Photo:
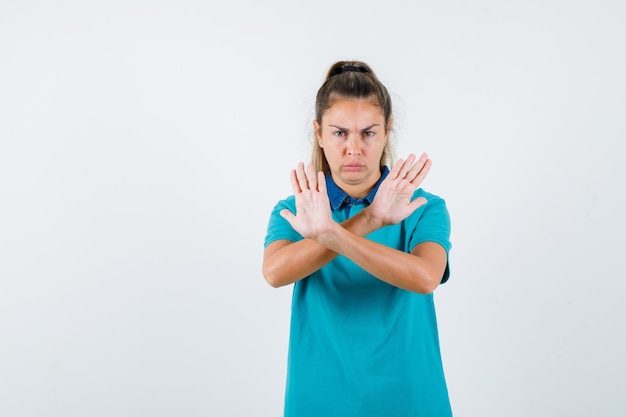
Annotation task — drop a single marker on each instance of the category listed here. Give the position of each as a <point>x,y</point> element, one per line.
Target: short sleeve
<point>279,228</point>
<point>431,223</point>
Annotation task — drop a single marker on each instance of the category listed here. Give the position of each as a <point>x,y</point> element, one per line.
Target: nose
<point>354,147</point>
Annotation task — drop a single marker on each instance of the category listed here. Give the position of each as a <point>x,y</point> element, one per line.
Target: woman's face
<point>353,136</point>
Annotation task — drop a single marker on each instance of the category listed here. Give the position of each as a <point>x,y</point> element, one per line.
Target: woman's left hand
<point>392,202</point>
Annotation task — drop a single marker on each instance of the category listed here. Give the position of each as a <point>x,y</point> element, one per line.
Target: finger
<point>417,167</point>
<point>287,215</point>
<point>393,174</point>
<point>406,166</point>
<point>417,203</point>
<point>422,174</point>
<point>301,175</point>
<point>423,158</point>
<point>311,177</point>
<point>321,182</point>
<point>295,186</point>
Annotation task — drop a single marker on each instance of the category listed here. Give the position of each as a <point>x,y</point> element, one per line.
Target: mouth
<point>353,167</point>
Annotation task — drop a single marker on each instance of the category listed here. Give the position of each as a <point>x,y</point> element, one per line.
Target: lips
<point>353,167</point>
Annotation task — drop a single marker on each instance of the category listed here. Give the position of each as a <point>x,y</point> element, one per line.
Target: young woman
<point>365,248</point>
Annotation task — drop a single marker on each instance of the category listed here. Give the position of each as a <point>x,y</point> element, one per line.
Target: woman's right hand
<point>313,217</point>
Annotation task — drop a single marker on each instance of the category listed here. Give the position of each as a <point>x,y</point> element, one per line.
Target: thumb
<point>287,215</point>
<point>417,203</point>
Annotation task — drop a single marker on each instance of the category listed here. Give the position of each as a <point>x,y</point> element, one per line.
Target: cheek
<point>374,144</point>
<point>332,144</point>
<point>332,151</point>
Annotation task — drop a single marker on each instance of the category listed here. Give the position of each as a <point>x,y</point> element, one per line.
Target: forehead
<point>348,110</point>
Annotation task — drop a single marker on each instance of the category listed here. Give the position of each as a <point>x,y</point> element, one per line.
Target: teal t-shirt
<point>359,346</point>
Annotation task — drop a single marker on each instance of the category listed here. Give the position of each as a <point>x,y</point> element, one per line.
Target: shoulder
<point>420,192</point>
<point>433,202</point>
<point>286,203</point>
<point>430,222</point>
<point>431,216</point>
<point>278,228</point>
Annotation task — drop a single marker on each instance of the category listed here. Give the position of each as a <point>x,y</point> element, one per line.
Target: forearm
<point>398,268</point>
<point>291,262</point>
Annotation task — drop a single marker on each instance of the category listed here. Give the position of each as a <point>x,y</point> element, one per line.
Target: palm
<point>313,216</point>
<point>392,203</point>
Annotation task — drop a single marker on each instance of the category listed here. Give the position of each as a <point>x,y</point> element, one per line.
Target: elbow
<point>427,278</point>
<point>427,288</point>
<point>271,277</point>
<point>427,285</point>
<point>273,283</point>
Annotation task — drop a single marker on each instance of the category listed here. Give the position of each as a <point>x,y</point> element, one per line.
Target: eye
<point>368,133</point>
<point>339,133</point>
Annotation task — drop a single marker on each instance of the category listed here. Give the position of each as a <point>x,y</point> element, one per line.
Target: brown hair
<point>351,80</point>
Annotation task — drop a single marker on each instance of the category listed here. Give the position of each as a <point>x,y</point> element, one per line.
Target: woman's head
<point>353,80</point>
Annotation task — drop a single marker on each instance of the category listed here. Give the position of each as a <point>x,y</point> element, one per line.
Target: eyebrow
<point>365,128</point>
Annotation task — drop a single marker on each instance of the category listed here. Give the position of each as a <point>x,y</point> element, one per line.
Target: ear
<point>318,135</point>
<point>389,124</point>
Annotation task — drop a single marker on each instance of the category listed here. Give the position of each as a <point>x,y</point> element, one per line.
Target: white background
<point>144,143</point>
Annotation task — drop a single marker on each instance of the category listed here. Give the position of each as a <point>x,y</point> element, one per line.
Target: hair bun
<point>347,68</point>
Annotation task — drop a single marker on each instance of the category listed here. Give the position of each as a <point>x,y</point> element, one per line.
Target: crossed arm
<point>285,262</point>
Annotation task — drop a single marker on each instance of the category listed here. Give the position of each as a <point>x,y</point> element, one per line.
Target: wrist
<point>374,222</point>
<point>328,236</point>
